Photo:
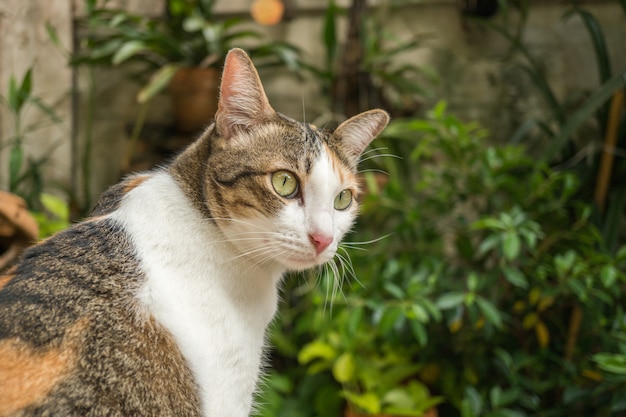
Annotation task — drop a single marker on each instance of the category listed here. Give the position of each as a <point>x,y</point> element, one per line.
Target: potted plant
<point>183,50</point>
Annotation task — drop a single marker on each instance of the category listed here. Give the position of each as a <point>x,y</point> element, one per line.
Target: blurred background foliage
<point>483,278</point>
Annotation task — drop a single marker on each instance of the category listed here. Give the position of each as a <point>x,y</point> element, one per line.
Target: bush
<point>495,293</point>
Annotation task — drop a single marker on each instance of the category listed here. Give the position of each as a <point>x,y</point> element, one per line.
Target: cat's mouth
<point>301,262</point>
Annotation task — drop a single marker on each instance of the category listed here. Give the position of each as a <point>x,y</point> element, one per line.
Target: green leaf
<point>14,96</point>
<point>399,399</point>
<point>344,367</point>
<point>420,313</point>
<point>394,290</point>
<point>608,275</point>
<point>488,244</point>
<point>158,82</point>
<point>16,157</point>
<point>474,401</point>
<point>47,110</point>
<point>56,206</point>
<point>127,51</point>
<point>390,319</point>
<point>53,35</point>
<point>599,97</point>
<point>355,317</point>
<point>316,350</point>
<point>330,35</point>
<point>610,362</point>
<point>472,281</point>
<point>450,300</point>
<point>598,40</point>
<point>511,245</point>
<point>490,311</point>
<point>420,333</point>
<point>515,276</point>
<point>495,394</point>
<point>488,223</point>
<point>26,87</point>
<point>368,402</point>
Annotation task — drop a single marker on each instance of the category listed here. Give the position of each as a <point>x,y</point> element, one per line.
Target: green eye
<point>343,200</point>
<point>285,183</point>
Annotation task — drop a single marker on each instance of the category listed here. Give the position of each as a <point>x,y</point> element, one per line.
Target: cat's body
<point>158,303</point>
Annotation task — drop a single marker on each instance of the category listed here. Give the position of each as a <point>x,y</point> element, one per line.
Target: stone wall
<point>467,59</point>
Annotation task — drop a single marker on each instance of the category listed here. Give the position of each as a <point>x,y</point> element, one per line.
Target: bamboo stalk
<point>599,198</point>
<point>608,154</point>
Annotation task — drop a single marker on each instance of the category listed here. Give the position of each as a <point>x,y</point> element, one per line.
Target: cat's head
<point>281,191</point>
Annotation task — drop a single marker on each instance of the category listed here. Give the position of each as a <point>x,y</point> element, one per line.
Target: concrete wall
<point>24,43</point>
<point>468,60</point>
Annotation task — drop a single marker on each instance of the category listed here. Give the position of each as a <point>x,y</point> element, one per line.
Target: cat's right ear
<point>242,103</point>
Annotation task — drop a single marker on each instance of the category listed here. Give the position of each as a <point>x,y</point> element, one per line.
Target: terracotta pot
<point>18,229</point>
<point>194,93</point>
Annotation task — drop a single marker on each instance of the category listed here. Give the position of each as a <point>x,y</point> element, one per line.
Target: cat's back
<point>73,338</point>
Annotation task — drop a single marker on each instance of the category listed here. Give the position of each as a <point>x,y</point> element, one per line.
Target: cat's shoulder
<point>110,200</point>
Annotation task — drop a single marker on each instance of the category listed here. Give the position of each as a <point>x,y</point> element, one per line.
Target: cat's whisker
<point>366,242</point>
<point>380,171</point>
<point>382,155</point>
<point>347,264</point>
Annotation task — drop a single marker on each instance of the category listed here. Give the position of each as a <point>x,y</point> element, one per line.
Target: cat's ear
<point>242,103</point>
<point>357,132</point>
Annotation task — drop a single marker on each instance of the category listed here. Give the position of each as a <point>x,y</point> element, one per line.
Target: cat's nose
<point>320,241</point>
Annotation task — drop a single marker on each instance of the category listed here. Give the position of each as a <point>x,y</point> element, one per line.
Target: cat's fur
<point>157,305</point>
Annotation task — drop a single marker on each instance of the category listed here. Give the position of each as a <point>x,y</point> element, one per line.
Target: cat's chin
<point>304,263</point>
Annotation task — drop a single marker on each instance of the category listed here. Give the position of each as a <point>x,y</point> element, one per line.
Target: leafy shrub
<point>494,294</point>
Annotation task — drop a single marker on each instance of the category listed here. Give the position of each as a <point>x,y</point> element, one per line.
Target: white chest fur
<point>216,305</point>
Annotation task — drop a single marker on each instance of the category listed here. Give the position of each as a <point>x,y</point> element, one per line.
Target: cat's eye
<point>343,200</point>
<point>285,183</point>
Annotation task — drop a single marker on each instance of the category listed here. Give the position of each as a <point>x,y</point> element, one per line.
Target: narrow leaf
<point>450,300</point>
<point>515,277</point>
<point>127,51</point>
<point>590,106</point>
<point>157,83</point>
<point>511,245</point>
<point>490,311</point>
<point>15,167</point>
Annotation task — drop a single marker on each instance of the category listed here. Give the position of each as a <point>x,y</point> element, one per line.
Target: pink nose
<point>320,241</point>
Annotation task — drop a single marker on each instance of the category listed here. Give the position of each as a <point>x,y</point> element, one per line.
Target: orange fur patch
<point>28,375</point>
<point>345,176</point>
<point>4,279</point>
<point>134,183</point>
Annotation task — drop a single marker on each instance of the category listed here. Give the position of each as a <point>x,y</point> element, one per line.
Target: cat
<point>157,304</point>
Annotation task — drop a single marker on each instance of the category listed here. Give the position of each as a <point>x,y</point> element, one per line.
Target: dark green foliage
<point>469,301</point>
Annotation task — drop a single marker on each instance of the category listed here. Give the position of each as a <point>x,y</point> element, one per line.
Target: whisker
<point>383,155</point>
<point>366,242</point>
<point>380,171</point>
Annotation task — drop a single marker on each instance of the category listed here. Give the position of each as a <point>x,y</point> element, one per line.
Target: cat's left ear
<point>357,132</point>
<point>242,104</point>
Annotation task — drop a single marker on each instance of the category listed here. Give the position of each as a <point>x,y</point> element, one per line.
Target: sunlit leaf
<point>368,402</point>
<point>127,51</point>
<point>158,82</point>
<point>344,367</point>
<point>542,333</point>
<point>316,350</point>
